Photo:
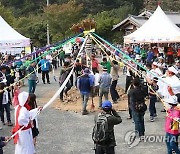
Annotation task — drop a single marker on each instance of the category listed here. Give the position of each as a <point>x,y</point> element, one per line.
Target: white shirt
<point>96,81</point>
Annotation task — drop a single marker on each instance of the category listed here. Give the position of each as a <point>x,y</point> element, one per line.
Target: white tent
<point>10,37</point>
<point>158,29</point>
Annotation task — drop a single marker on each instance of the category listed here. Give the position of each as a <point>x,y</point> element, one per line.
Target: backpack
<point>101,133</point>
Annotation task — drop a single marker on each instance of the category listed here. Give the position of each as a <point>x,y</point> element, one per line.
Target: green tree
<point>62,17</point>
<point>106,19</point>
<point>166,5</point>
<point>7,14</point>
<point>34,28</point>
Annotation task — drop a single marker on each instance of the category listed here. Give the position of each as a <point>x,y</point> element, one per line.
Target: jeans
<point>130,110</point>
<point>104,150</point>
<point>172,143</point>
<point>32,86</point>
<point>65,90</point>
<point>61,61</point>
<point>113,91</point>
<point>85,98</point>
<point>6,107</point>
<point>45,73</point>
<point>152,107</point>
<point>103,92</point>
<point>138,118</point>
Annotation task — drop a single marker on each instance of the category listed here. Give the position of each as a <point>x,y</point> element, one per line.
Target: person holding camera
<point>103,132</point>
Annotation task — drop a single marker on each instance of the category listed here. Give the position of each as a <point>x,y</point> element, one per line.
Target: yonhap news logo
<point>132,139</point>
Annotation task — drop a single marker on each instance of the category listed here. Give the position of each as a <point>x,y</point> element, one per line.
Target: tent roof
<point>10,37</point>
<point>158,29</point>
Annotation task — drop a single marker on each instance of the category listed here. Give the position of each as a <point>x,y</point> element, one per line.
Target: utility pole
<point>48,41</point>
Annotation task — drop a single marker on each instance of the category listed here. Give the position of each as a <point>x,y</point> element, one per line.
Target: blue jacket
<point>150,56</point>
<point>45,64</point>
<point>85,84</point>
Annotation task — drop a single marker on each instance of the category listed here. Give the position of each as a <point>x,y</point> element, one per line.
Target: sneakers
<point>155,115</point>
<point>163,110</point>
<point>151,119</point>
<point>9,124</point>
<point>128,118</point>
<point>85,112</point>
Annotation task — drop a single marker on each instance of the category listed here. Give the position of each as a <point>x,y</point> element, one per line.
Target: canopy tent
<point>10,37</point>
<point>158,29</point>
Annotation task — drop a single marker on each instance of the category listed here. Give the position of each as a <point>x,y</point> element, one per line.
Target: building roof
<point>139,20</point>
<point>157,29</point>
<point>135,20</point>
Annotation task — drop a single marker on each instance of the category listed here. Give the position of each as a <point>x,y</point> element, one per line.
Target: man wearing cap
<point>155,72</point>
<point>172,124</point>
<point>104,85</point>
<point>85,85</point>
<point>113,118</point>
<point>23,116</point>
<point>172,81</point>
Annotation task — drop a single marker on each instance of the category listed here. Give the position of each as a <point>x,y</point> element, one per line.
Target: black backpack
<point>101,133</point>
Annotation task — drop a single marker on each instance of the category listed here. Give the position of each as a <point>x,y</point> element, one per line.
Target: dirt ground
<point>73,102</point>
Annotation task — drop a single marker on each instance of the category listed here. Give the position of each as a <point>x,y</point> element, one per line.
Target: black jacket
<point>136,95</point>
<point>1,99</point>
<point>113,118</point>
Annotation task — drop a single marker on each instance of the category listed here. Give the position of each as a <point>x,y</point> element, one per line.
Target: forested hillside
<point>30,17</point>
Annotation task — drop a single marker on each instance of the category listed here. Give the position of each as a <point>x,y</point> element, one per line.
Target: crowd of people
<point>154,75</point>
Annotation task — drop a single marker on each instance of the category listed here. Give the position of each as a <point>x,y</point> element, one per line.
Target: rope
<point>56,95</point>
<point>31,72</point>
<point>136,71</point>
<point>42,49</point>
<point>126,56</point>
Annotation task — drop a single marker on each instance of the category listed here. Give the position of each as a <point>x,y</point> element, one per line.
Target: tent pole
<point>48,40</point>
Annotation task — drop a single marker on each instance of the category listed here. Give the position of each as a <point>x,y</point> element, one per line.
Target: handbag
<point>140,107</point>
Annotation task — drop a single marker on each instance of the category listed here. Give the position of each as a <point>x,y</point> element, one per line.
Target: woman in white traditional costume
<point>23,117</point>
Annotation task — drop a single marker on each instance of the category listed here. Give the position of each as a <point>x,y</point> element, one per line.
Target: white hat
<point>171,100</point>
<point>17,58</point>
<point>22,97</point>
<point>3,81</point>
<point>172,69</point>
<point>160,57</point>
<point>155,63</point>
<point>138,57</point>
